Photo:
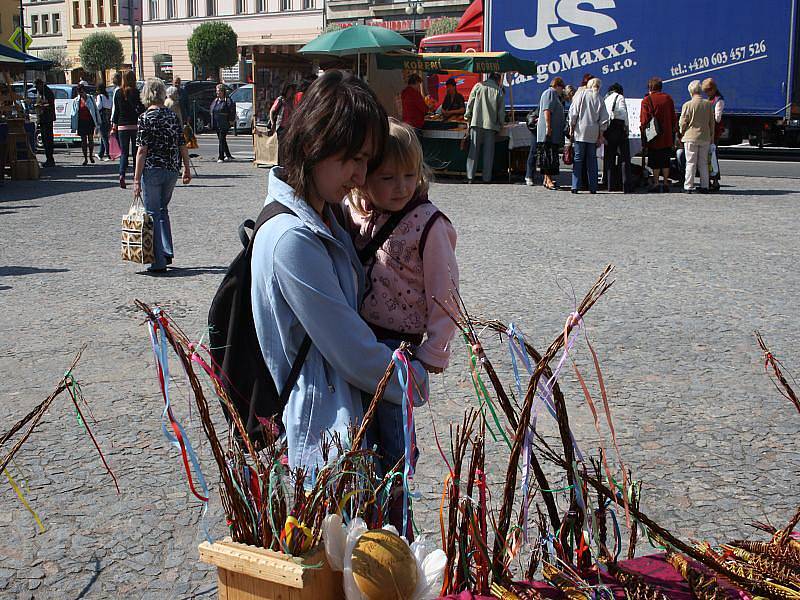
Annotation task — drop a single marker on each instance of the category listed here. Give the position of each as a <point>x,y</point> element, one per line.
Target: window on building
<point>191,8</point>
<point>286,4</point>
<point>45,24</point>
<point>34,25</point>
<point>308,4</point>
<point>56,20</point>
<point>101,12</point>
<point>114,12</point>
<point>76,13</point>
<point>153,9</point>
<point>261,6</point>
<point>170,9</point>
<point>211,8</point>
<point>241,7</point>
<point>14,22</point>
<point>87,13</point>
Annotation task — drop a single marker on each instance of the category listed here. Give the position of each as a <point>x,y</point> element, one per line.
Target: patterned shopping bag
<point>137,234</point>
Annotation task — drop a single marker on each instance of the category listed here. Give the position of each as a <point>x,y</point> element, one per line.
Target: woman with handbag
<point>618,149</point>
<point>83,120</point>
<point>550,132</point>
<point>659,124</point>
<point>159,138</point>
<point>588,119</point>
<point>223,112</point>
<point>103,102</point>
<point>125,115</point>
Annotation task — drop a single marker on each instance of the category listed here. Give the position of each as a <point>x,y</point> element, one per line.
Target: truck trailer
<point>750,49</point>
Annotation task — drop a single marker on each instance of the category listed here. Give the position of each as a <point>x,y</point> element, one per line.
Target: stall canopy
<point>473,62</point>
<point>358,39</point>
<point>16,61</point>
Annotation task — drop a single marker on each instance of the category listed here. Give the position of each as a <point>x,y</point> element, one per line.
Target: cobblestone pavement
<point>698,420</point>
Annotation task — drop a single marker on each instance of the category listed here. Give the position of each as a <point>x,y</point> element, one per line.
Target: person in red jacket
<point>414,107</point>
<point>659,105</point>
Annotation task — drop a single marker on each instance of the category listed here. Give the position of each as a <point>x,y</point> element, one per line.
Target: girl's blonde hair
<point>404,152</point>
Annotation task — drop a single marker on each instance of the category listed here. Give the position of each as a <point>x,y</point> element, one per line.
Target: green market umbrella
<point>474,62</point>
<point>358,40</point>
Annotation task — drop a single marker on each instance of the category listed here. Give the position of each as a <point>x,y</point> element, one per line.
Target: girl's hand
<point>432,369</point>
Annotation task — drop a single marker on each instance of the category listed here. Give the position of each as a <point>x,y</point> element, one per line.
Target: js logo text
<point>553,20</point>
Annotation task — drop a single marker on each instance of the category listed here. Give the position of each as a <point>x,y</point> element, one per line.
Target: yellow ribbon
<point>23,500</point>
<point>292,524</point>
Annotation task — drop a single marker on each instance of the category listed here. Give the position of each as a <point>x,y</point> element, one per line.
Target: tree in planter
<point>101,51</point>
<point>212,46</point>
<point>440,26</point>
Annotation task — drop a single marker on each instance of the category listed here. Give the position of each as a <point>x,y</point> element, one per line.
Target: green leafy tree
<point>333,27</point>
<point>212,46</point>
<point>443,25</point>
<point>57,56</point>
<point>101,51</point>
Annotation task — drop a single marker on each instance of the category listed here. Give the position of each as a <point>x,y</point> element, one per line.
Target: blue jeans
<point>157,186</point>
<point>127,141</point>
<point>104,129</point>
<point>585,152</point>
<point>530,169</point>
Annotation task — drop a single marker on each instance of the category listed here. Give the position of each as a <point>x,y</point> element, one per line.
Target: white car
<point>243,97</point>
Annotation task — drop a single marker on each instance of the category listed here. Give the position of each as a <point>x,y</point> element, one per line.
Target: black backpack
<point>238,361</point>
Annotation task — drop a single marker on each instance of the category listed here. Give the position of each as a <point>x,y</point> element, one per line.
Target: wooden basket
<point>249,573</point>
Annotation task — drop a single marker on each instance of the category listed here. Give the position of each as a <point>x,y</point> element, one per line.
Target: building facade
<point>9,20</point>
<point>168,24</point>
<point>45,21</point>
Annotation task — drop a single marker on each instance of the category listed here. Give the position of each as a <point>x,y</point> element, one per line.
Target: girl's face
<point>390,187</point>
<point>335,176</point>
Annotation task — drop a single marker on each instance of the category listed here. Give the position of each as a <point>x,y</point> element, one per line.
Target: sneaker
<point>230,159</point>
<point>688,190</point>
<point>528,181</point>
<point>219,160</point>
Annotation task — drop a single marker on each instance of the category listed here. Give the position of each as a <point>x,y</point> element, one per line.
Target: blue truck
<point>749,47</point>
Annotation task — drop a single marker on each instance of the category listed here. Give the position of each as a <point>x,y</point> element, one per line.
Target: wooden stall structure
<point>249,573</point>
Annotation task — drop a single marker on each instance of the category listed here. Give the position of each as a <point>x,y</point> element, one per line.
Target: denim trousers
<point>127,142</point>
<point>157,186</point>
<point>530,168</point>
<point>585,152</point>
<point>481,138</point>
<point>104,129</point>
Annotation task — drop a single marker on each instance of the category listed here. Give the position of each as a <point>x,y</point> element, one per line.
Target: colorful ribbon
<point>405,374</point>
<point>22,499</point>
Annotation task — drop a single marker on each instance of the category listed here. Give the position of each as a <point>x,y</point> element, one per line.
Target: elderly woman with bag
<point>696,128</point>
<point>550,132</point>
<point>158,161</point>
<point>588,119</point>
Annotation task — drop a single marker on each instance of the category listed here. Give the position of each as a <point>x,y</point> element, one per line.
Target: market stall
<point>442,138</point>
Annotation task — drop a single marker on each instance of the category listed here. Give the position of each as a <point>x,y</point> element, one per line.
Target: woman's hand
<point>187,176</point>
<point>114,129</point>
<point>137,188</point>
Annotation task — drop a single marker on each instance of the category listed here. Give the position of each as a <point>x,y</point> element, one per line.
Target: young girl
<point>412,269</point>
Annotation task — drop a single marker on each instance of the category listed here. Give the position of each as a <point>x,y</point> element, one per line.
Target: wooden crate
<point>249,573</point>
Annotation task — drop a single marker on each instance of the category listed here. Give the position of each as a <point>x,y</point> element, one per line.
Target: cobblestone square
<point>698,420</point>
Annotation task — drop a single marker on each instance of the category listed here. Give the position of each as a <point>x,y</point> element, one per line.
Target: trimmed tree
<point>440,26</point>
<point>101,51</point>
<point>212,46</point>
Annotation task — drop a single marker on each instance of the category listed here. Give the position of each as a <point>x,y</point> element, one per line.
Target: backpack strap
<point>273,209</point>
<point>368,251</point>
<point>427,229</point>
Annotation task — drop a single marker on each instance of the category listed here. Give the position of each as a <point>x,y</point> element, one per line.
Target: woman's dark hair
<point>101,89</point>
<point>655,84</point>
<point>80,89</point>
<point>615,87</point>
<point>117,79</point>
<point>307,81</point>
<point>128,82</point>
<point>336,115</point>
<point>414,79</point>
<point>286,92</point>
<point>587,77</point>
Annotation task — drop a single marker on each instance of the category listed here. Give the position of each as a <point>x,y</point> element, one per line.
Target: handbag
<point>532,119</point>
<point>137,234</point>
<point>651,129</point>
<point>114,151</point>
<point>569,156</point>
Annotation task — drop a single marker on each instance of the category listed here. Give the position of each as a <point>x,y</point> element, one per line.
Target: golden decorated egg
<point>384,567</point>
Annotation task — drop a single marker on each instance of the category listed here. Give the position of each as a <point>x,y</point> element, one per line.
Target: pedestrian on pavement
<point>7,106</point>
<point>161,149</point>
<point>696,128</point>
<point>103,102</point>
<point>306,276</point>
<point>280,115</point>
<point>223,112</point>
<point>617,154</point>
<point>550,132</point>
<point>46,111</point>
<point>127,108</point>
<point>659,106</point>
<point>716,98</point>
<point>173,102</point>
<point>588,119</point>
<point>486,115</point>
<point>116,82</point>
<point>84,119</point>
<point>413,104</point>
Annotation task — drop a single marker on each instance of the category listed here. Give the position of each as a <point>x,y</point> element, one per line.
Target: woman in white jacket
<point>618,149</point>
<point>84,118</point>
<point>588,119</point>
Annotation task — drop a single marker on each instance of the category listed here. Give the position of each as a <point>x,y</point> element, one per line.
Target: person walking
<point>486,114</point>
<point>46,111</point>
<point>588,119</point>
<point>550,132</point>
<point>223,112</point>
<point>617,154</point>
<point>84,119</point>
<point>127,108</point>
<point>173,102</point>
<point>280,115</point>
<point>718,101</point>
<point>659,107</point>
<point>161,150</point>
<point>103,102</point>
<point>696,128</point>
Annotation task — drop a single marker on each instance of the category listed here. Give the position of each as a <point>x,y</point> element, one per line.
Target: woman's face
<point>335,176</point>
<point>220,92</point>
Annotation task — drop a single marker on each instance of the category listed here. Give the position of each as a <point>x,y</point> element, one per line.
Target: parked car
<point>243,96</point>
<point>200,95</point>
<point>235,85</point>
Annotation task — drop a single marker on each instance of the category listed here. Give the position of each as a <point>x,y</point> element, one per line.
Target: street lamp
<point>415,8</point>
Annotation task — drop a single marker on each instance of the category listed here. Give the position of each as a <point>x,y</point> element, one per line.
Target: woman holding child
<point>308,277</point>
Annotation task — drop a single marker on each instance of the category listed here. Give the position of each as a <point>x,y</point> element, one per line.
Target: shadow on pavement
<point>95,576</point>
<point>186,272</point>
<point>745,192</point>
<point>16,271</point>
<point>3,288</point>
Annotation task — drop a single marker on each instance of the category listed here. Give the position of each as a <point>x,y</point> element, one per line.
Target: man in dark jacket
<point>46,109</point>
